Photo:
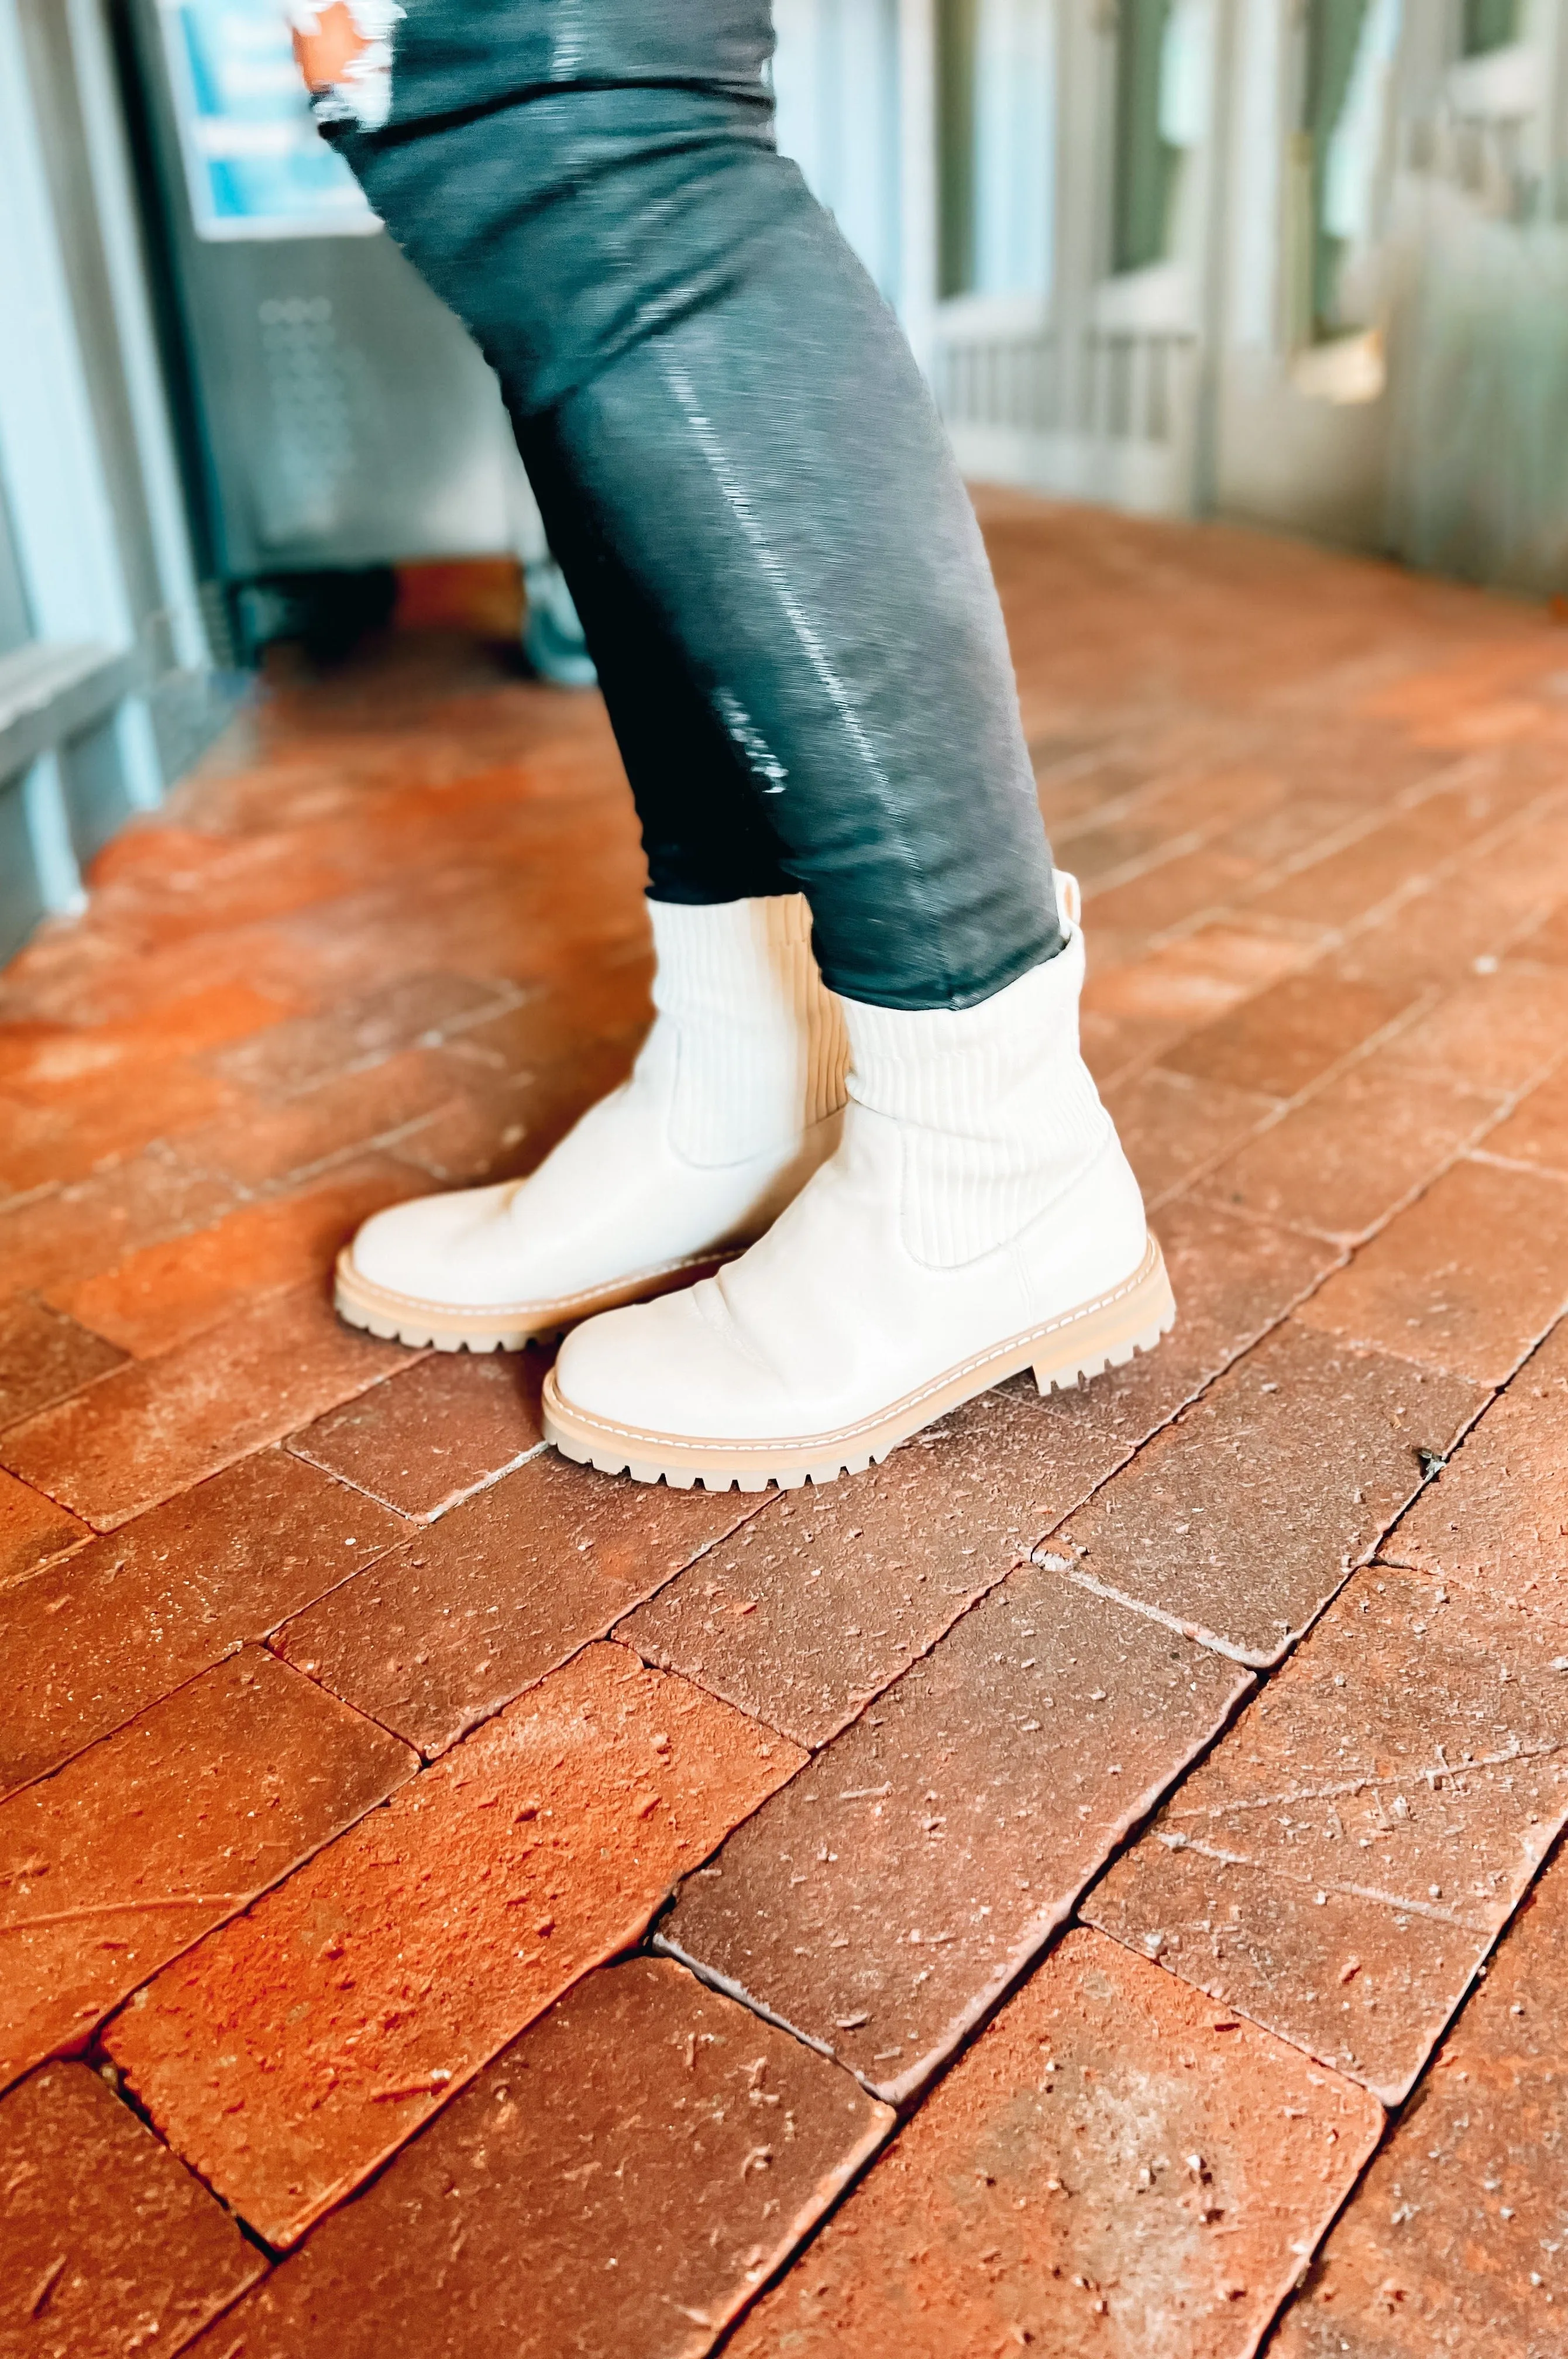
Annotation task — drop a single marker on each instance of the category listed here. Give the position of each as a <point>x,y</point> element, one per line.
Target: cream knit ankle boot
<point>735,1100</point>
<point>978,1218</point>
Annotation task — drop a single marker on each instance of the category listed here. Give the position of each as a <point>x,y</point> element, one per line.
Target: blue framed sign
<point>255,163</point>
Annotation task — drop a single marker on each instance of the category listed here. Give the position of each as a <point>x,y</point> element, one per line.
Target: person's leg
<point>705,836</point>
<point>719,411</point>
<point>736,1097</point>
<point>725,425</point>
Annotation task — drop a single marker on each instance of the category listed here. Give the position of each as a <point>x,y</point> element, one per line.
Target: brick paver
<point>1116,2167</point>
<point>1468,1278</point>
<point>1192,979</point>
<point>1536,1132</point>
<point>1382,865</point>
<point>1455,2241</point>
<point>44,1356</point>
<point>1175,1126</point>
<point>134,1849</point>
<point>391,937</point>
<point>1547,940</point>
<point>132,1616</point>
<point>1348,1155</point>
<point>821,1600</point>
<point>71,1233</point>
<point>502,1590</point>
<point>347,1114</point>
<point>110,2245</point>
<point>148,1429</point>
<point>45,1062</point>
<point>432,1432</point>
<point>1343,1862</point>
<point>289,2056</point>
<point>1242,1520</point>
<point>1289,1037</point>
<point>1497,1513</point>
<point>68,1138</point>
<point>490,1130</point>
<point>420,1008</point>
<point>621,2179</point>
<point>1438,932</point>
<point>1500,1031</point>
<point>883,1900</point>
<point>167,1293</point>
<point>32,1529</point>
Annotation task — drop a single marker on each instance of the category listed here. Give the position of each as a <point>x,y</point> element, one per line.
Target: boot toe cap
<point>617,1366</point>
<point>431,1248</point>
<point>658,1369</point>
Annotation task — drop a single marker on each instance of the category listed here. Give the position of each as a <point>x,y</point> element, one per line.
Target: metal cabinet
<point>342,418</point>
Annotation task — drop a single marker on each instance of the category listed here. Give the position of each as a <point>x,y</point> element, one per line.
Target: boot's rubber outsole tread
<point>497,1327</point>
<point>1094,1335</point>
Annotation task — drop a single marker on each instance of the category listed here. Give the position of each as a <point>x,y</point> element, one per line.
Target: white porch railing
<point>1105,413</point>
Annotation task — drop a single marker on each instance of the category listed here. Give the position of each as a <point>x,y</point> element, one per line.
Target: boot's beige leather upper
<point>979,1191</point>
<point>735,1100</point>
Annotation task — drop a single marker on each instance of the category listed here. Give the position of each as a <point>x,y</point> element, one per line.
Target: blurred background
<point>1301,262</point>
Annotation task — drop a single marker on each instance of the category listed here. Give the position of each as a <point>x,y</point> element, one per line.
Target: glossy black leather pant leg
<point>741,472</point>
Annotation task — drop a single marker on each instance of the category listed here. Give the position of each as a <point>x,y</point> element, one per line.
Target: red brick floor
<point>1086,1886</point>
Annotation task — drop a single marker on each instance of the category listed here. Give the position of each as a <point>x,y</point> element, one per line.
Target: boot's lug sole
<point>497,1327</point>
<point>1104,1334</point>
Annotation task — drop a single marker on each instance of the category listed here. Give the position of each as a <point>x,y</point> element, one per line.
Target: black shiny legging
<point>741,472</point>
